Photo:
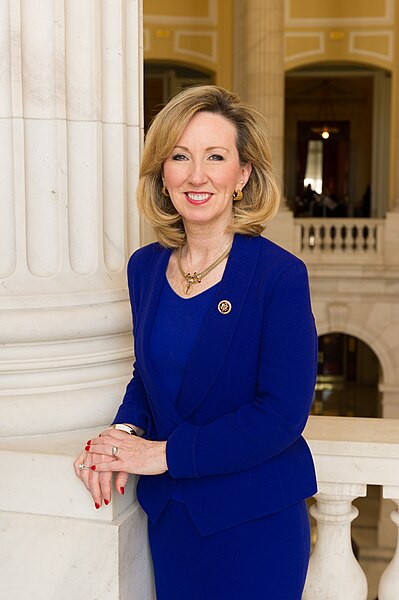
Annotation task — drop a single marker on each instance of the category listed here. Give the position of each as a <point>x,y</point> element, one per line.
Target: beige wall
<point>337,30</point>
<point>196,33</point>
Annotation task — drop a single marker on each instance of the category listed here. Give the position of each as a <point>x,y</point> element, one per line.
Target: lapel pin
<point>224,307</point>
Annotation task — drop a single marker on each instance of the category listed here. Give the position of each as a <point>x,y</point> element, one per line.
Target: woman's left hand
<point>131,454</point>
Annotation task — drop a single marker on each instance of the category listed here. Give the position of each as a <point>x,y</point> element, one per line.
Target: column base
<point>54,543</point>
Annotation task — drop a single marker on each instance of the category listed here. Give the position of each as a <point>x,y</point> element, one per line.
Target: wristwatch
<point>130,429</point>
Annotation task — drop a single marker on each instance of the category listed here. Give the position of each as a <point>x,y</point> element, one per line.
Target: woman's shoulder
<point>145,254</point>
<point>274,257</point>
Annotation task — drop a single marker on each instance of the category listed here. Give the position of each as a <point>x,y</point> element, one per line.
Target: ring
<point>83,466</point>
<point>114,450</point>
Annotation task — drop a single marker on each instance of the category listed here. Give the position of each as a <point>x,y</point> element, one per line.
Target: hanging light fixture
<point>325,112</point>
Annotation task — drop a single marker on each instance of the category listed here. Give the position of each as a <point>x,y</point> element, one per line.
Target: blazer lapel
<point>216,334</point>
<point>161,403</point>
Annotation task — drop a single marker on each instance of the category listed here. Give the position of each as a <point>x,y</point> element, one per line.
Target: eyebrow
<point>206,149</point>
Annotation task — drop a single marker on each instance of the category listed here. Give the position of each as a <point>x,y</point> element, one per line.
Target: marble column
<point>395,204</point>
<point>259,78</point>
<point>69,143</point>
<point>259,64</point>
<point>70,131</point>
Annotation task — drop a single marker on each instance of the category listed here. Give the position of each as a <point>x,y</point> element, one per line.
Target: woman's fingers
<point>120,481</point>
<point>82,468</point>
<point>78,464</point>
<point>107,467</point>
<point>110,450</point>
<point>105,479</point>
<point>99,490</point>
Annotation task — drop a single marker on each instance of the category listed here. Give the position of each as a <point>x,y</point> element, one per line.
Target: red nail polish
<point>122,489</point>
<point>87,448</point>
<point>88,442</point>
<point>97,505</point>
<point>106,502</point>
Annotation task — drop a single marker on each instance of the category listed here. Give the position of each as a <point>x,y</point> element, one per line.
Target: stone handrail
<point>349,453</point>
<point>351,240</point>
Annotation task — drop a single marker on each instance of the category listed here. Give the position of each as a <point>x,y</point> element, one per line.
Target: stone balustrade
<point>349,240</point>
<point>349,453</point>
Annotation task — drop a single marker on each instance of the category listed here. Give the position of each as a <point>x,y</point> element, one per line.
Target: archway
<point>162,80</point>
<point>349,105</point>
<point>348,376</point>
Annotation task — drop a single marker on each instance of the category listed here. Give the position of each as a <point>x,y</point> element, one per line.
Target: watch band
<point>124,427</point>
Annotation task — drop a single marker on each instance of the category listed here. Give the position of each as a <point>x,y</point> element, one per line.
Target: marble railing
<point>349,453</point>
<point>347,239</point>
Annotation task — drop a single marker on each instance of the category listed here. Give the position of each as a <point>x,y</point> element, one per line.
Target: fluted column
<point>259,78</point>
<point>259,58</point>
<point>70,126</point>
<point>70,129</point>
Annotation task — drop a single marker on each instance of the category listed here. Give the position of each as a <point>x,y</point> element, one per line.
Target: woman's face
<point>204,170</point>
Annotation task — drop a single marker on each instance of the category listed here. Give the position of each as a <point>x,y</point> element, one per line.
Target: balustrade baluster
<point>365,237</point>
<point>355,233</point>
<point>344,233</point>
<point>333,234</point>
<point>375,233</point>
<point>389,582</point>
<point>322,237</point>
<point>334,573</point>
<point>312,237</point>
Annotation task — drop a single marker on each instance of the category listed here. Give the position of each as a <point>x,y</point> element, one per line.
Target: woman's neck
<point>204,246</point>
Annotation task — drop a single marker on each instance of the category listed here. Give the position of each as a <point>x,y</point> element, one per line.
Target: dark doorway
<point>347,379</point>
<point>323,168</point>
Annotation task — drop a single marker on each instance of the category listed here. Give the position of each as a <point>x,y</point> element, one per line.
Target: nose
<point>198,174</point>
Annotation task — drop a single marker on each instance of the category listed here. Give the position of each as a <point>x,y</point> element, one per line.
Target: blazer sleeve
<point>275,418</point>
<point>135,408</point>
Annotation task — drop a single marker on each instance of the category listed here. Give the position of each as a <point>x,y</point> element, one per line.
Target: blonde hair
<point>261,193</point>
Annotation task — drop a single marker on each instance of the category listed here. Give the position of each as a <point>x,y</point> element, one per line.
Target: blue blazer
<point>234,439</point>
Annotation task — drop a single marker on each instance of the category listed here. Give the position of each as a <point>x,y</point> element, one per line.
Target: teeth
<point>198,197</point>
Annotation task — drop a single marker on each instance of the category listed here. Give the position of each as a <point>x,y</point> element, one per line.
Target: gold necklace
<point>198,277</point>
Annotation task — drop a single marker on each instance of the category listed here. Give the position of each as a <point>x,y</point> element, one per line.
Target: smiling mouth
<point>197,198</point>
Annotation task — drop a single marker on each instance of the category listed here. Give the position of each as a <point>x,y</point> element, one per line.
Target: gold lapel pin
<point>224,307</point>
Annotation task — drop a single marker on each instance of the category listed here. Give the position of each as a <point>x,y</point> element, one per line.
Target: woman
<point>225,348</point>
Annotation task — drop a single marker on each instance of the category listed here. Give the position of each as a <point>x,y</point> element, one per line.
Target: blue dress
<point>262,559</point>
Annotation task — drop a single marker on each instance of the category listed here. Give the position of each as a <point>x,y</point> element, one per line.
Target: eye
<point>216,157</point>
<point>179,157</point>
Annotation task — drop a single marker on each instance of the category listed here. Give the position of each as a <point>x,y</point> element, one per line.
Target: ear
<point>246,170</point>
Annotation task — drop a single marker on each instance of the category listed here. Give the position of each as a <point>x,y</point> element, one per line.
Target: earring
<point>237,195</point>
<point>165,191</point>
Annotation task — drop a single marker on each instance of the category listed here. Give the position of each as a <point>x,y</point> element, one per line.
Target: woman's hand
<point>116,450</point>
<point>98,484</point>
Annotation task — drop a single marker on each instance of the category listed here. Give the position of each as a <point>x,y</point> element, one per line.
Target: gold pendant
<point>191,280</point>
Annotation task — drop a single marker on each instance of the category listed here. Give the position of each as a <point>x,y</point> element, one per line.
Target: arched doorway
<point>347,379</point>
<point>337,127</point>
<point>163,80</point>
<point>348,375</point>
